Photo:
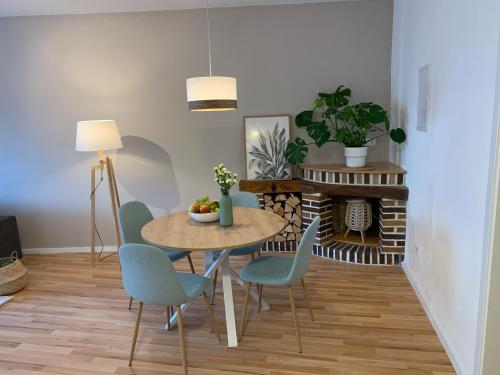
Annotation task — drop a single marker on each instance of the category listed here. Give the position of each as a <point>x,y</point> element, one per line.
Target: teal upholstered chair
<point>132,217</point>
<point>150,277</point>
<point>280,271</point>
<point>249,200</point>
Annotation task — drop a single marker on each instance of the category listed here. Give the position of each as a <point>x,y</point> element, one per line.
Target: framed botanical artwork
<point>266,139</point>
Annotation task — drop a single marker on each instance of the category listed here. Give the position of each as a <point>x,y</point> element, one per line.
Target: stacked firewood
<point>288,206</point>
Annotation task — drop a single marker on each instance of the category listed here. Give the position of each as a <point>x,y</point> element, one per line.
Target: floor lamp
<point>99,136</point>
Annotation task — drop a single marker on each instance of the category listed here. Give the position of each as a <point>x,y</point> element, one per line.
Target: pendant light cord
<point>209,43</point>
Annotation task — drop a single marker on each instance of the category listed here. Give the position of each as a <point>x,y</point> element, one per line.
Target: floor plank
<point>73,319</point>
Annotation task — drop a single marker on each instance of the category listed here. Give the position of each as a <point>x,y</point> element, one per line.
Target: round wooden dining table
<point>180,232</point>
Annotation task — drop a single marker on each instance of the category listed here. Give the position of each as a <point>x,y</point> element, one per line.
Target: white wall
<point>132,67</point>
<point>448,167</point>
<point>488,342</point>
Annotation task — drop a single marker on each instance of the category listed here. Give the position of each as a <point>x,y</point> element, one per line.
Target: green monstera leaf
<point>346,114</point>
<point>304,118</point>
<point>296,151</point>
<point>398,135</point>
<point>341,96</point>
<point>336,99</point>
<point>319,132</point>
<point>376,114</point>
<point>341,135</point>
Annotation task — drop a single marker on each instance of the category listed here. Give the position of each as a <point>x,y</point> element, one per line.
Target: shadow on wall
<point>145,170</point>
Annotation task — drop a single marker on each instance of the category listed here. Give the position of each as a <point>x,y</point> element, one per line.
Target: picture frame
<point>266,140</point>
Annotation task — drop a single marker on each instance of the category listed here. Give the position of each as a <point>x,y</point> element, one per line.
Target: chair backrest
<point>244,199</point>
<point>149,276</point>
<point>304,252</point>
<point>132,217</point>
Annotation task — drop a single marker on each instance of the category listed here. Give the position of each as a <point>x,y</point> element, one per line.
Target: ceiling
<point>10,8</point>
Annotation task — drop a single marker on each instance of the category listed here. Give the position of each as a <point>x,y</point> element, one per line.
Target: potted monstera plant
<point>333,119</point>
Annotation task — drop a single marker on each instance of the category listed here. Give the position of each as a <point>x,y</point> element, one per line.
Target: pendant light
<point>211,93</point>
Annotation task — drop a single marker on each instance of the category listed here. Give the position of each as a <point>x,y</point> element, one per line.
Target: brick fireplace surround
<point>318,191</point>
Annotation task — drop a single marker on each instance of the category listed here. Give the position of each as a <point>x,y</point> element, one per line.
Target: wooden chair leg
<point>260,296</point>
<point>294,317</point>
<point>256,285</point>
<point>136,331</point>
<point>191,263</point>
<point>362,236</point>
<point>213,322</point>
<point>180,323</point>
<point>307,299</point>
<point>130,303</point>
<point>346,232</point>
<point>169,327</point>
<point>245,310</point>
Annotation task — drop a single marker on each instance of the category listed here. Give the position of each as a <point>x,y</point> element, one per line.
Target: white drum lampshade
<point>97,135</point>
<point>211,93</point>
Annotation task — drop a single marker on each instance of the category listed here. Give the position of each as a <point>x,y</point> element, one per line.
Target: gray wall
<point>132,67</point>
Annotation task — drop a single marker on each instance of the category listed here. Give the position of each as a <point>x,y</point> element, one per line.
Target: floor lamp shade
<point>212,93</point>
<point>97,135</point>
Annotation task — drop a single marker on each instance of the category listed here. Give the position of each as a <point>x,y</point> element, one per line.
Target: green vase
<point>226,211</point>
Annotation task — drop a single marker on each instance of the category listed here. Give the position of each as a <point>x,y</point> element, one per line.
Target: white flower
<point>224,178</point>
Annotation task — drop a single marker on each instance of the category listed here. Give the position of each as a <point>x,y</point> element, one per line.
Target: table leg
<point>232,336</point>
<point>210,271</point>
<point>210,258</point>
<point>263,304</point>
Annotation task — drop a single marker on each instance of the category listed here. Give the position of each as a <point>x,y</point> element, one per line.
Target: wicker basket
<point>358,216</point>
<point>13,275</point>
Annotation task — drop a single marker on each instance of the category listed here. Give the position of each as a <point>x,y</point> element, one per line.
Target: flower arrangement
<point>224,178</point>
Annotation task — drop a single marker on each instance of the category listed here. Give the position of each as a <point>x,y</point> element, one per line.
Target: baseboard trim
<point>435,325</point>
<point>62,250</point>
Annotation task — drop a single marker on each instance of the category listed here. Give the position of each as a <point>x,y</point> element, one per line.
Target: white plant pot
<point>355,157</point>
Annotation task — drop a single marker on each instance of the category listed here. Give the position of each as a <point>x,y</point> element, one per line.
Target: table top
<point>179,231</point>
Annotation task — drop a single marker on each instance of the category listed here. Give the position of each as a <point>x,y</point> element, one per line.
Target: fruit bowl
<point>204,210</point>
<point>205,218</point>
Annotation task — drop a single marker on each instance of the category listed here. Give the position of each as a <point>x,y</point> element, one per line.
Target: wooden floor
<point>72,319</point>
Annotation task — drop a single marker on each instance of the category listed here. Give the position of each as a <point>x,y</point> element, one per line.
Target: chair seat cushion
<point>174,255</point>
<point>268,270</point>
<point>193,284</point>
<point>245,250</point>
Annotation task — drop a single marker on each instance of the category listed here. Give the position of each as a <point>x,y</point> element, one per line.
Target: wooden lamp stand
<point>104,163</point>
<point>100,135</point>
